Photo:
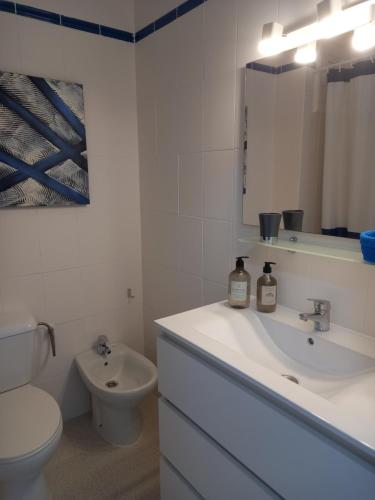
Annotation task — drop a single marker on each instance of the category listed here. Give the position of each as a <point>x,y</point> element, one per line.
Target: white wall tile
<point>63,295</point>
<point>220,37</point>
<point>191,184</point>
<point>214,292</point>
<point>189,117</point>
<point>218,172</point>
<point>35,37</point>
<point>58,229</point>
<point>345,286</point>
<point>133,326</point>
<point>20,247</point>
<point>219,111</point>
<point>103,287</point>
<point>10,44</point>
<point>165,183</point>
<point>189,62</point>
<point>160,239</point>
<point>161,294</point>
<point>191,245</point>
<point>217,239</point>
<point>190,291</point>
<point>24,293</point>
<point>188,73</point>
<point>94,235</point>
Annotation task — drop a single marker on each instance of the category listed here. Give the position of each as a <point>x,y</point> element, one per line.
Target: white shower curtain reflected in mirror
<point>349,173</point>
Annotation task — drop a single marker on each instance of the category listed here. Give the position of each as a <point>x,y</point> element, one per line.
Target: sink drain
<point>290,377</point>
<point>111,384</point>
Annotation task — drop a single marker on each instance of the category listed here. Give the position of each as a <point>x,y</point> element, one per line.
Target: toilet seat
<point>29,419</point>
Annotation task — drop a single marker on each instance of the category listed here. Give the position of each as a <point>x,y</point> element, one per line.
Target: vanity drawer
<point>209,468</point>
<point>173,486</point>
<point>290,456</point>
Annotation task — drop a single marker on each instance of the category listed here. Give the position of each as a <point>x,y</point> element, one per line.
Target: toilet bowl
<point>31,427</point>
<point>30,419</point>
<point>118,382</point>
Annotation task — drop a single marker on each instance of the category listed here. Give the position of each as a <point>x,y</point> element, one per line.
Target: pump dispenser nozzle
<point>239,261</point>
<point>267,267</point>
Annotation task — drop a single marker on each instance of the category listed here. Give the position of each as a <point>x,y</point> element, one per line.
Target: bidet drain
<point>290,377</point>
<point>111,384</point>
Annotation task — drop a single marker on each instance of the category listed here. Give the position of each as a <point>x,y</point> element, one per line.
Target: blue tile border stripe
<point>66,21</point>
<point>40,14</point>
<point>273,70</point>
<point>167,18</point>
<point>187,6</point>
<point>7,7</point>
<point>78,24</point>
<point>98,29</point>
<point>125,36</point>
<point>147,30</point>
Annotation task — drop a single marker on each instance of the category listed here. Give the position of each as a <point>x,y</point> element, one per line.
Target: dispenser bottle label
<point>238,290</point>
<point>269,295</point>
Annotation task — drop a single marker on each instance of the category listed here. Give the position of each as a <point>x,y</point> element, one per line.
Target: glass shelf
<point>345,254</point>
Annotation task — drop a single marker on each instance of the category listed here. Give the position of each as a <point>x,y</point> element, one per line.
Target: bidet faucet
<point>320,316</point>
<point>102,346</point>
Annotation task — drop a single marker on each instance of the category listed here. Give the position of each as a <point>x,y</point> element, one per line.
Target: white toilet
<point>118,379</point>
<point>30,419</point>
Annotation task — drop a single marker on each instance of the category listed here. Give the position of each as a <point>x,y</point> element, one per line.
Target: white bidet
<point>118,382</point>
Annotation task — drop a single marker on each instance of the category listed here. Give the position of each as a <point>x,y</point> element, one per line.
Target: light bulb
<point>306,54</point>
<point>364,37</point>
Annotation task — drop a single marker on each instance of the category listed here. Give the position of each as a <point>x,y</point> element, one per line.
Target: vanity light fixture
<point>272,42</point>
<point>306,54</point>
<point>364,36</point>
<point>332,21</point>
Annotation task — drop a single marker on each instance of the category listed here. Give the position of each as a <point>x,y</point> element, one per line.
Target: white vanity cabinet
<point>223,438</point>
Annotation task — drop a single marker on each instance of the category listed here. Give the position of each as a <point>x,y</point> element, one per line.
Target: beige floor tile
<point>87,468</point>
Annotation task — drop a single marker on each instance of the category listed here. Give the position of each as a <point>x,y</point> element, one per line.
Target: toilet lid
<point>29,417</point>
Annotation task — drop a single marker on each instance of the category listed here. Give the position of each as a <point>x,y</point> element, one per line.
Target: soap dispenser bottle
<point>239,285</point>
<point>267,290</point>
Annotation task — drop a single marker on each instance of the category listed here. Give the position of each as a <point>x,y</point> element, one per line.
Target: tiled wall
<point>190,92</point>
<point>71,266</point>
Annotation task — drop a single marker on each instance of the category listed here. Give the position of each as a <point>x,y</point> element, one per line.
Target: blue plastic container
<point>368,246</point>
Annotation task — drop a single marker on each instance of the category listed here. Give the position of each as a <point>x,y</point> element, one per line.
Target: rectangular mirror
<point>309,147</point>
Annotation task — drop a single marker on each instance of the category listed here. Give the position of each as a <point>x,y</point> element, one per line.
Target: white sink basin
<point>335,370</point>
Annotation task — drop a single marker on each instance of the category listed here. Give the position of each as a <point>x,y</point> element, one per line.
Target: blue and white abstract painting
<point>43,158</point>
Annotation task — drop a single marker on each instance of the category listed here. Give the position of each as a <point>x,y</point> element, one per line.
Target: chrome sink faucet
<point>320,316</point>
<point>102,346</point>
